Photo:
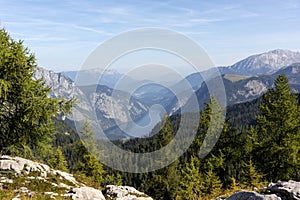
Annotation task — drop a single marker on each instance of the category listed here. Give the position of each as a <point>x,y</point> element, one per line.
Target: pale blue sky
<point>63,33</point>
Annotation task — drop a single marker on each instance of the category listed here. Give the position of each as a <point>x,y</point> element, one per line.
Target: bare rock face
<point>85,193</point>
<point>275,191</point>
<point>124,193</point>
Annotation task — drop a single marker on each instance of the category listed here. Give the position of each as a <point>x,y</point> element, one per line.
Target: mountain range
<point>245,80</point>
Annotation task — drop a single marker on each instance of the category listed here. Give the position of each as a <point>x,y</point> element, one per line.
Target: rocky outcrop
<point>124,193</point>
<point>25,166</point>
<point>286,190</point>
<point>274,191</point>
<point>85,193</point>
<point>247,195</point>
<point>55,183</point>
<point>20,165</point>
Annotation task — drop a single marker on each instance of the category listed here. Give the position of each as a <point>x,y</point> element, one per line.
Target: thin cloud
<point>92,30</point>
<point>205,20</point>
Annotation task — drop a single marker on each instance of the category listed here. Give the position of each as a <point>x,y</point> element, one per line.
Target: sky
<point>63,33</point>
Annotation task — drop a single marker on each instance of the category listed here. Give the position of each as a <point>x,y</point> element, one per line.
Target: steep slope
<point>292,72</point>
<point>265,63</point>
<point>109,108</point>
<point>244,88</point>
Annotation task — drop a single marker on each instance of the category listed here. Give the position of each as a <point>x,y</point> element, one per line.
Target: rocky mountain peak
<point>266,63</point>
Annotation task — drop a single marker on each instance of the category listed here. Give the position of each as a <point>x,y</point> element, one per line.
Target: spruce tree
<point>163,183</point>
<point>57,160</point>
<point>192,181</point>
<point>252,177</point>
<point>87,136</point>
<point>277,142</point>
<point>93,169</point>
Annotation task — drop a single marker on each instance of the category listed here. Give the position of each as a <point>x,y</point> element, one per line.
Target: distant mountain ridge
<point>265,63</point>
<point>246,88</point>
<point>94,76</point>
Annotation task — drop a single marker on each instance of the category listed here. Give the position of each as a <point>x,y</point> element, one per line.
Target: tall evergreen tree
<point>165,135</point>
<point>88,139</point>
<point>57,160</point>
<point>277,143</point>
<point>26,110</point>
<point>192,181</point>
<point>163,183</point>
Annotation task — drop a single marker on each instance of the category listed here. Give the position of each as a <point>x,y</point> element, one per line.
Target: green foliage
<point>112,179</point>
<point>91,168</point>
<point>26,111</point>
<point>163,183</point>
<point>57,160</point>
<point>87,136</point>
<point>165,135</point>
<point>233,164</point>
<point>191,184</point>
<point>89,164</point>
<point>252,178</point>
<point>277,135</point>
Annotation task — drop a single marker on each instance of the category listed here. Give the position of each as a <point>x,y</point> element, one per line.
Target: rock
<point>124,193</point>
<point>24,190</point>
<point>286,190</point>
<point>51,194</point>
<point>22,165</point>
<point>275,191</point>
<point>6,180</point>
<point>18,165</point>
<point>85,193</point>
<point>62,185</point>
<point>248,195</point>
<point>67,176</point>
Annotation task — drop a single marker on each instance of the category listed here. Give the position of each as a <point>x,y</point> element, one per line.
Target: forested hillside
<point>260,142</point>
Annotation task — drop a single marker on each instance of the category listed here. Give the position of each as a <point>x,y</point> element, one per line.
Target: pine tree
<point>91,168</point>
<point>26,111</point>
<point>252,177</point>
<point>211,125</point>
<point>163,183</point>
<point>278,133</point>
<point>212,181</point>
<point>165,135</point>
<point>87,136</point>
<point>57,160</point>
<point>191,183</point>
